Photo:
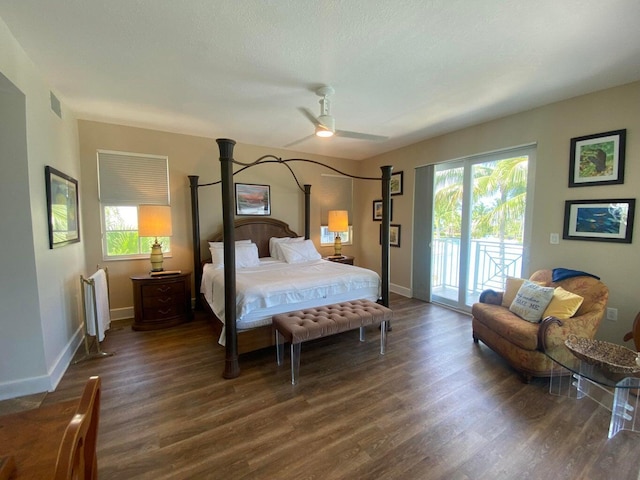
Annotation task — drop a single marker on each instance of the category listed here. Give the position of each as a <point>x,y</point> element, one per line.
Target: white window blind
<point>132,179</point>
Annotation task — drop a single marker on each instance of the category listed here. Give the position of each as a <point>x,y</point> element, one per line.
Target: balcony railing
<point>490,263</point>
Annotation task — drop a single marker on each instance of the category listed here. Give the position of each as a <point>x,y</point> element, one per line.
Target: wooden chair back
<point>77,457</point>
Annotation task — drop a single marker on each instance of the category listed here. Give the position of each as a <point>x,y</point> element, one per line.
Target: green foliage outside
<point>498,199</point>
<point>122,234</point>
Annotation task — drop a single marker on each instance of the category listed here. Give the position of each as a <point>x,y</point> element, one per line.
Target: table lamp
<point>155,221</point>
<point>338,222</point>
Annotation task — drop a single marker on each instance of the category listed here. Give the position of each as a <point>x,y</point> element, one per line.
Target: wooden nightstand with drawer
<point>161,301</point>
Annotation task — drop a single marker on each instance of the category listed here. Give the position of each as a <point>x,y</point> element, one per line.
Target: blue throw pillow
<point>560,274</point>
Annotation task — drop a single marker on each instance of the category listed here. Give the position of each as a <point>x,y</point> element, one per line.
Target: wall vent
<point>55,105</point>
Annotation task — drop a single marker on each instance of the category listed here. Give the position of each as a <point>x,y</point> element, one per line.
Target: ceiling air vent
<point>55,105</point>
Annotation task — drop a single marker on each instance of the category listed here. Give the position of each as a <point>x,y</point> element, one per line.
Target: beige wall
<point>190,155</point>
<point>552,127</point>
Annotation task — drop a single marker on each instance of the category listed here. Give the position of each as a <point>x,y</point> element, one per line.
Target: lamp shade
<point>338,221</point>
<point>154,221</point>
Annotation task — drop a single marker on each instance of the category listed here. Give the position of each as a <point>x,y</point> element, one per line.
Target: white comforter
<point>276,287</point>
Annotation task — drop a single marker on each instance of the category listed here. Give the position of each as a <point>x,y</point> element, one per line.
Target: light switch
<point>554,238</point>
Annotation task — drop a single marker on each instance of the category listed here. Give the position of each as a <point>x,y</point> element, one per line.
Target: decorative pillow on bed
<point>297,252</point>
<point>246,255</point>
<point>531,301</point>
<point>275,242</point>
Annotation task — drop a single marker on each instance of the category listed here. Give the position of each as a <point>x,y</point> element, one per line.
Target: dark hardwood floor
<point>436,406</point>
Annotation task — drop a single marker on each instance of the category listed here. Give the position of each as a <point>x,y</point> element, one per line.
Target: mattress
<point>276,287</point>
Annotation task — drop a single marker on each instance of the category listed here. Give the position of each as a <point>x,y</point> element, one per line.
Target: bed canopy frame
<point>232,367</point>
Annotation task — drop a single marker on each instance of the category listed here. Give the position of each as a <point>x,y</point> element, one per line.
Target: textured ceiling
<point>242,69</point>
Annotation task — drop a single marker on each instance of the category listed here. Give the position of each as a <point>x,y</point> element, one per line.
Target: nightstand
<point>346,259</point>
<point>161,301</point>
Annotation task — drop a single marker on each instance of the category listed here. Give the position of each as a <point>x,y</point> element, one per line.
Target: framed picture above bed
<point>253,199</point>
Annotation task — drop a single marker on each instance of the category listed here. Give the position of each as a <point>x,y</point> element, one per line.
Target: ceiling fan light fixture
<point>322,131</point>
<point>326,126</point>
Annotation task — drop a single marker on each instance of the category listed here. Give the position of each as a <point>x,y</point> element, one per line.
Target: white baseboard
<point>121,313</point>
<point>404,291</point>
<point>44,383</point>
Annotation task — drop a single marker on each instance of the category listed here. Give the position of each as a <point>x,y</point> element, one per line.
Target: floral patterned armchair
<point>521,342</point>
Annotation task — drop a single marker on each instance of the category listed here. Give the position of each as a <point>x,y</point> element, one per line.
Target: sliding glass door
<point>478,225</point>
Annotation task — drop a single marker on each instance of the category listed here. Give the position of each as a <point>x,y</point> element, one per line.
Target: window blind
<point>132,179</point>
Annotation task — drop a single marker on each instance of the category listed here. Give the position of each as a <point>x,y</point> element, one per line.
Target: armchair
<point>521,342</point>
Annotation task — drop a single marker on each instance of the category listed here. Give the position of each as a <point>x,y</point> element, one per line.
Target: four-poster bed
<point>260,230</point>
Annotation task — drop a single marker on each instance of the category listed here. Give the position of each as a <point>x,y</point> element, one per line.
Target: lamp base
<point>337,247</point>
<point>156,257</point>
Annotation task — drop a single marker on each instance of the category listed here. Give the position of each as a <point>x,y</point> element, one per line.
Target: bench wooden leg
<point>295,362</point>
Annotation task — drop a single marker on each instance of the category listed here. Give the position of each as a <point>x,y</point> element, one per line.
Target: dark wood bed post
<point>231,365</point>
<point>195,228</point>
<point>386,226</point>
<point>307,211</point>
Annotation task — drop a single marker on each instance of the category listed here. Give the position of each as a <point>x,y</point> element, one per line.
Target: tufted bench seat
<point>311,323</point>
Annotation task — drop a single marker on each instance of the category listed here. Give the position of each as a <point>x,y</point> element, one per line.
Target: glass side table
<point>618,393</point>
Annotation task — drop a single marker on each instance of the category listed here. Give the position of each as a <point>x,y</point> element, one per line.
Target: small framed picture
<point>396,183</point>
<point>599,220</point>
<point>597,159</point>
<point>253,199</point>
<point>377,210</point>
<point>62,208</point>
<point>394,235</point>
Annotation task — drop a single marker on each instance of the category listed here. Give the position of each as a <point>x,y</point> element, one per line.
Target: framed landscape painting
<point>253,199</point>
<point>599,220</point>
<point>597,159</point>
<point>62,208</point>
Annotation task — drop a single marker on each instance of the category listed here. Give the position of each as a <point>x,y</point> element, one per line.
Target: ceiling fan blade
<point>299,141</point>
<point>360,136</point>
<point>307,113</point>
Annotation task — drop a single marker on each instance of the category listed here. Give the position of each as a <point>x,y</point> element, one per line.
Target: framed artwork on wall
<point>377,210</point>
<point>599,220</point>
<point>396,183</point>
<point>597,159</point>
<point>394,235</point>
<point>62,208</point>
<point>253,199</point>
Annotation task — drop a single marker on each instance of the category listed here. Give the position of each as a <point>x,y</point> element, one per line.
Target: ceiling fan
<point>325,124</point>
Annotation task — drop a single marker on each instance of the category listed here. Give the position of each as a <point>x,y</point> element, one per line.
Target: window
<point>336,192</point>
<point>328,238</point>
<point>126,180</point>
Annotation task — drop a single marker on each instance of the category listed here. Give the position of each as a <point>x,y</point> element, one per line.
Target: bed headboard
<point>259,230</point>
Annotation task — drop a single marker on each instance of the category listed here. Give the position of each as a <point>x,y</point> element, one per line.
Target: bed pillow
<point>511,288</point>
<point>563,305</point>
<point>531,301</point>
<point>274,245</point>
<point>298,252</point>
<point>246,255</point>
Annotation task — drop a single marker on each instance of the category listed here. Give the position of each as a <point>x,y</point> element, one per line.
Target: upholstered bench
<point>311,323</point>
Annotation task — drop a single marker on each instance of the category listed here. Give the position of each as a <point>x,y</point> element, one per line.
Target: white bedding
<point>276,286</point>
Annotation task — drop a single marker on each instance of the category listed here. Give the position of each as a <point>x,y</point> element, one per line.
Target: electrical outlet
<point>554,238</point>
<point>612,314</point>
